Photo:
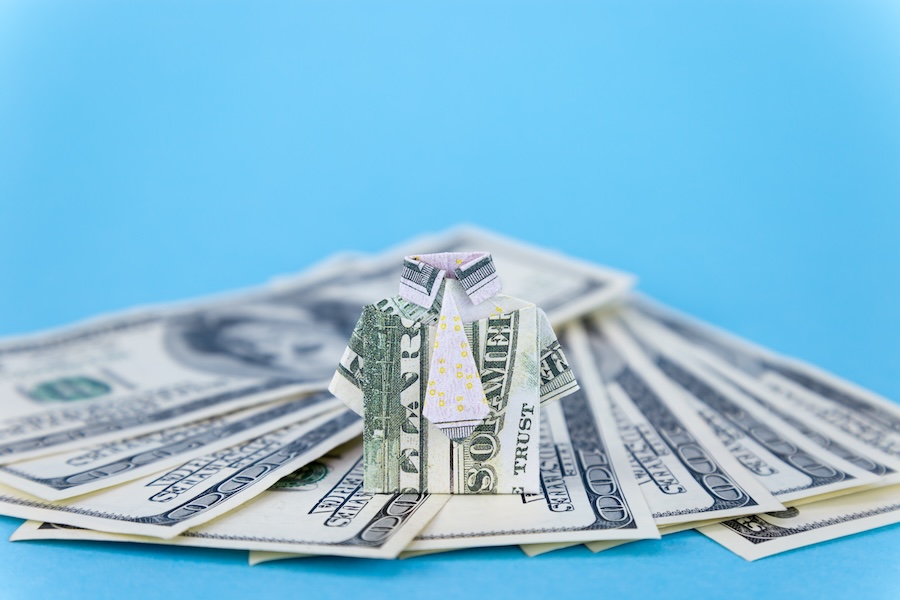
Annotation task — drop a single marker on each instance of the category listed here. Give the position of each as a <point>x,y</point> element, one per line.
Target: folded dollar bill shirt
<point>391,374</point>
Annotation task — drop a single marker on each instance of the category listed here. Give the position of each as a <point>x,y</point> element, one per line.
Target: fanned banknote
<point>319,509</point>
<point>127,374</point>
<point>167,503</point>
<point>77,472</point>
<point>863,421</point>
<point>791,466</point>
<point>758,536</point>
<point>830,439</point>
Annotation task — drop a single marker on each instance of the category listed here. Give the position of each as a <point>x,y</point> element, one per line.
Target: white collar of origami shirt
<point>423,275</point>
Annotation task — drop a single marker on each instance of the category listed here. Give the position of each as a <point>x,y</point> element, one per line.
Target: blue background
<point>743,158</point>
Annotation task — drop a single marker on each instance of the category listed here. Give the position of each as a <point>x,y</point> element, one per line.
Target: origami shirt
<point>384,375</point>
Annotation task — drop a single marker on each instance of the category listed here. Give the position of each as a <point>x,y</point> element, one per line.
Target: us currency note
<point>587,490</point>
<point>167,503</point>
<point>758,536</point>
<point>685,472</point>
<point>321,509</point>
<point>127,374</point>
<point>791,467</point>
<point>861,420</point>
<point>77,472</point>
<point>404,449</point>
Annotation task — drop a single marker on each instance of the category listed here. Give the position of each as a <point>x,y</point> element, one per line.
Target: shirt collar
<point>423,275</point>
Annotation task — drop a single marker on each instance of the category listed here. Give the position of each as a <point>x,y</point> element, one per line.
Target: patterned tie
<point>455,402</point>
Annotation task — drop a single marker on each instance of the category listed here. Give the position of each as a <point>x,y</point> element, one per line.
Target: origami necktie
<point>455,401</point>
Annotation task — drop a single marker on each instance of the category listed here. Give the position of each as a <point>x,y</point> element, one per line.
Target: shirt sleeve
<point>347,381</point>
<point>557,379</point>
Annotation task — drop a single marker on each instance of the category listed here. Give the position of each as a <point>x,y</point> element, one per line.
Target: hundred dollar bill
<point>144,370</point>
<point>77,472</point>
<point>319,509</point>
<point>757,536</point>
<point>791,466</point>
<point>587,489</point>
<point>685,472</point>
<point>167,503</point>
<point>870,424</point>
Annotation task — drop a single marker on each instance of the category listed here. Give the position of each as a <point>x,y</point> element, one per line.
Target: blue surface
<point>742,157</point>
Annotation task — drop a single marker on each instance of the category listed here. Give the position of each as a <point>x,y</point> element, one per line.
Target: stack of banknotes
<point>208,423</point>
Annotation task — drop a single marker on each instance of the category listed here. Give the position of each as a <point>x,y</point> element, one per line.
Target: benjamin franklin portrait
<point>295,332</point>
